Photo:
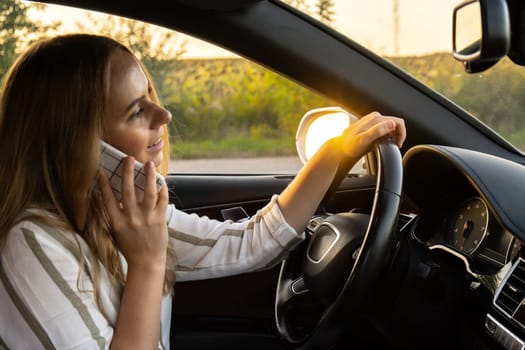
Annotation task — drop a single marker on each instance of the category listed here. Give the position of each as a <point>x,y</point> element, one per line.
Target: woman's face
<point>134,122</point>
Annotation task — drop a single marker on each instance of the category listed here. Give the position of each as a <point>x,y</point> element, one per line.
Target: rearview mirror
<point>318,126</point>
<point>481,33</point>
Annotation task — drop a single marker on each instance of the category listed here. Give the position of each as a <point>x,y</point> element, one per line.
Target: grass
<point>517,139</point>
<point>246,146</point>
<point>234,146</point>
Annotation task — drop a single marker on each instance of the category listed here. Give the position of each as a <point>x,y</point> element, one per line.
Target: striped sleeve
<point>48,306</point>
<point>207,248</point>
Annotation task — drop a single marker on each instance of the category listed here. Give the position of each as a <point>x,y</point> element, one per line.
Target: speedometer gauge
<point>469,225</point>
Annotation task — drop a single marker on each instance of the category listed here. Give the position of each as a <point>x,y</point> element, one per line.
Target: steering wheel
<point>343,258</point>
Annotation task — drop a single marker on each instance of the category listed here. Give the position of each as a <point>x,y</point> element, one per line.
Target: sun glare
<point>323,129</point>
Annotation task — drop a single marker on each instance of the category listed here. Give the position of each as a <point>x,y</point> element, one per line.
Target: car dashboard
<point>471,232</point>
<point>468,204</point>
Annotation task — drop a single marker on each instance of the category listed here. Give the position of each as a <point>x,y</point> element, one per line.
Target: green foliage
<point>495,97</point>
<point>17,30</point>
<point>233,146</point>
<point>232,99</point>
<point>158,48</point>
<point>150,43</point>
<point>517,138</point>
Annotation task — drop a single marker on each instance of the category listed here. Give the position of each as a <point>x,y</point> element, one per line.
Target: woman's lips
<point>157,146</point>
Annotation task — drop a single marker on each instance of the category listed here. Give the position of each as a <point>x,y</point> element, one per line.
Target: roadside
<point>262,165</point>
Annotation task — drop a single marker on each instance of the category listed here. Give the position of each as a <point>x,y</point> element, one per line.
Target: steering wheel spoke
<point>289,291</point>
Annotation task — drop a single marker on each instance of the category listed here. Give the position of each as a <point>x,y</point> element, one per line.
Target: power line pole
<point>396,26</point>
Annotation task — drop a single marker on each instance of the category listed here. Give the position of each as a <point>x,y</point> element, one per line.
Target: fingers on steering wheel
<point>374,125</point>
<point>400,133</point>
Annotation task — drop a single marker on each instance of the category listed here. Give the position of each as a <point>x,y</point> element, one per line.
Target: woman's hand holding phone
<point>139,225</point>
<point>111,160</point>
<point>136,199</point>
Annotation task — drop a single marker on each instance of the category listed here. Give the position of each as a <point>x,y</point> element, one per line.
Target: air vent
<point>403,220</point>
<point>511,294</point>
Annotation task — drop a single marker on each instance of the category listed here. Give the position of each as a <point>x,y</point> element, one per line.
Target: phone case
<point>111,160</point>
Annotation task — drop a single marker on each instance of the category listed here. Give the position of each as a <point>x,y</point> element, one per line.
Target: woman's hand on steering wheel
<point>357,140</point>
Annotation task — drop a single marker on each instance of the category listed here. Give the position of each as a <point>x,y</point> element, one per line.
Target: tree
<point>157,48</point>
<point>301,5</point>
<point>18,30</point>
<point>325,11</point>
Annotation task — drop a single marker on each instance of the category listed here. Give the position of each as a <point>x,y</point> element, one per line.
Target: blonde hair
<point>52,112</point>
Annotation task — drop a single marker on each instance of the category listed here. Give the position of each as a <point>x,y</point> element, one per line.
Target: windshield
<point>416,36</point>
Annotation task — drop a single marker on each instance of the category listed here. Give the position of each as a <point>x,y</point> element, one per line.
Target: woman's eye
<point>138,113</point>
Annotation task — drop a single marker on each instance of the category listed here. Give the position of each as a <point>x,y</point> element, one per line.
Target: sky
<point>425,26</point>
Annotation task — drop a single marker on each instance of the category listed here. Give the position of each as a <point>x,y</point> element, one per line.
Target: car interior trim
<point>457,255</point>
<point>502,335</point>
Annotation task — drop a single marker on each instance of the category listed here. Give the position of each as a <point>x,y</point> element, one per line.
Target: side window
<point>230,115</point>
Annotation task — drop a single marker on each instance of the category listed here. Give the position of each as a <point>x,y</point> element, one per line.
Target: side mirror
<point>318,126</point>
<point>481,33</point>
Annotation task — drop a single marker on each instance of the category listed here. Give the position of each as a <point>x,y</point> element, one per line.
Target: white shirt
<point>45,302</point>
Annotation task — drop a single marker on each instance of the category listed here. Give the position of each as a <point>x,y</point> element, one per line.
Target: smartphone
<point>111,160</point>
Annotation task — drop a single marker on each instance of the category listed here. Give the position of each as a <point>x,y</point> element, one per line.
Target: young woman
<point>81,269</point>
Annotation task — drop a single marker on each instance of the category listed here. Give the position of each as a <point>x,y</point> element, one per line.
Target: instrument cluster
<point>470,230</point>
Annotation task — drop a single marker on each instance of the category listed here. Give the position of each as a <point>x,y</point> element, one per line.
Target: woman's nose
<point>161,116</point>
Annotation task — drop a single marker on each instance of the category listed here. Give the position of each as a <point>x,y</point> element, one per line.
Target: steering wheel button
<point>298,287</point>
<point>324,240</point>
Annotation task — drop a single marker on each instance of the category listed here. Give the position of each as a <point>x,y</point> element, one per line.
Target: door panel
<point>228,312</point>
<point>208,194</point>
